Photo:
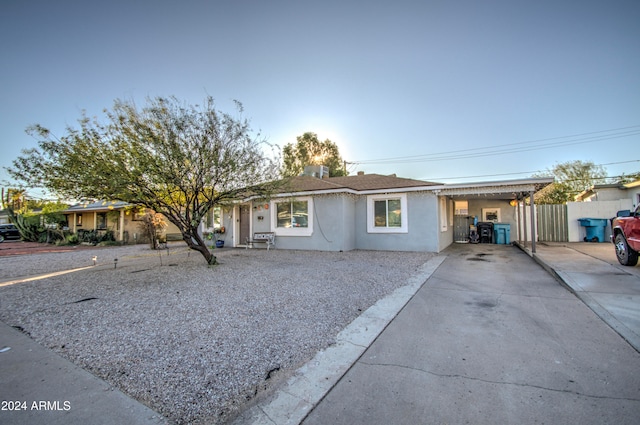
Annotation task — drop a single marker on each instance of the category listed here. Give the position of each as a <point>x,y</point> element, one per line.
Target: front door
<point>244,230</point>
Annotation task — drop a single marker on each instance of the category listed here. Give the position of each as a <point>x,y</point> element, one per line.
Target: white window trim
<point>404,224</point>
<point>292,231</point>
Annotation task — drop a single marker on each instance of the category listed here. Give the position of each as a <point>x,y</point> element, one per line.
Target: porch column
<point>121,230</point>
<point>533,223</point>
<point>95,220</point>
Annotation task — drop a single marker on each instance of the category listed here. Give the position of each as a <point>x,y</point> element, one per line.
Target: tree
<point>571,178</point>
<point>13,198</point>
<point>308,150</point>
<point>152,224</point>
<point>628,178</point>
<point>175,159</point>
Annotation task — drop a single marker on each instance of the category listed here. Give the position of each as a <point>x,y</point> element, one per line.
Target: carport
<point>498,201</point>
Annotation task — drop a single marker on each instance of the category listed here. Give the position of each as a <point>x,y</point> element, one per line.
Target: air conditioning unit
<point>318,171</point>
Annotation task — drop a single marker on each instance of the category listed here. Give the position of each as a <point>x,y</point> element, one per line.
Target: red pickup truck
<point>625,235</point>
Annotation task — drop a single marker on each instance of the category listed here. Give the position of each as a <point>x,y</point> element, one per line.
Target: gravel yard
<point>191,342</point>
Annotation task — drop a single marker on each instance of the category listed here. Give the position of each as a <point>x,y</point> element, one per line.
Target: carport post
<point>533,223</point>
<point>524,220</point>
<point>519,219</point>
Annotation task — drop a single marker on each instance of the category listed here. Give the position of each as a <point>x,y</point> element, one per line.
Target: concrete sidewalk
<point>490,338</point>
<point>39,387</point>
<point>592,272</point>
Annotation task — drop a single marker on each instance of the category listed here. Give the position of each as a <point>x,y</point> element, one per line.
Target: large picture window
<point>293,214</point>
<point>387,213</point>
<point>293,217</point>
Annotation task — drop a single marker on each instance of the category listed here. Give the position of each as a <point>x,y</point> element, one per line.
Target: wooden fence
<point>552,223</point>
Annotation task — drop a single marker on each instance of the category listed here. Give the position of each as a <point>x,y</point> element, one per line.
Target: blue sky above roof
<point>402,80</point>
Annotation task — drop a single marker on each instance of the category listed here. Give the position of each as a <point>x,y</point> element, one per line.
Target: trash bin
<point>502,233</point>
<point>595,228</point>
<point>485,231</point>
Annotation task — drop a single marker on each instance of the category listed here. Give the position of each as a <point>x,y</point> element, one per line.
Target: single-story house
<point>380,212</point>
<point>122,218</point>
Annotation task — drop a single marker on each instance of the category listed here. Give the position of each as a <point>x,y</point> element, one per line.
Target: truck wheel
<point>626,256</point>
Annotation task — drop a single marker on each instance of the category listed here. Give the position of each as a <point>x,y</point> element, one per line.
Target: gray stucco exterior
<point>340,224</point>
<point>333,226</point>
<point>341,218</point>
<point>422,234</point>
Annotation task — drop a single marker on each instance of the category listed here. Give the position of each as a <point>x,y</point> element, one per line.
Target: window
<point>101,221</point>
<point>387,213</point>
<point>79,220</point>
<point>461,207</point>
<point>293,217</point>
<point>214,218</point>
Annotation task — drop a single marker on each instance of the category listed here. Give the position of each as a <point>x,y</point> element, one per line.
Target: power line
<point>575,139</point>
<point>528,172</point>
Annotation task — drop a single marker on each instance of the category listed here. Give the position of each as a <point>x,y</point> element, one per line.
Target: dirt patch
<point>26,248</point>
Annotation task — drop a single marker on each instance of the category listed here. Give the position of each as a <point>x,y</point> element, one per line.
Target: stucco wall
<point>608,194</point>
<point>332,226</point>
<point>508,214</point>
<point>422,232</point>
<point>594,209</point>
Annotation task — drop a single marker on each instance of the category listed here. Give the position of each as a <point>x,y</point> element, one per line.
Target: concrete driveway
<point>490,338</point>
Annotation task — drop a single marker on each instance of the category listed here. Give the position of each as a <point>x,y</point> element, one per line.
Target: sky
<point>446,91</point>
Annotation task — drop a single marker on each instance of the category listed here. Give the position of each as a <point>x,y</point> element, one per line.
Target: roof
<point>632,184</point>
<point>357,183</point>
<point>502,187</point>
<point>372,183</point>
<point>97,206</point>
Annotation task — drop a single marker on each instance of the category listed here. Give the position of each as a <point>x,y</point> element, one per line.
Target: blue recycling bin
<point>502,233</point>
<point>595,228</point>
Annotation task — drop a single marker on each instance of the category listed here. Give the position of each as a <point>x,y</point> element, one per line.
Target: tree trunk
<point>195,242</point>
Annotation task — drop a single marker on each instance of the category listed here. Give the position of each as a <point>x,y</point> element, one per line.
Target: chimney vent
<point>361,173</point>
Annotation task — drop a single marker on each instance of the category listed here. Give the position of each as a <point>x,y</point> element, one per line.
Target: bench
<point>268,238</point>
<point>172,237</point>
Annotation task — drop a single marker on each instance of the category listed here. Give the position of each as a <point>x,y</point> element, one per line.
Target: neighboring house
<point>120,217</point>
<point>377,212</point>
<point>601,201</point>
<point>612,192</point>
